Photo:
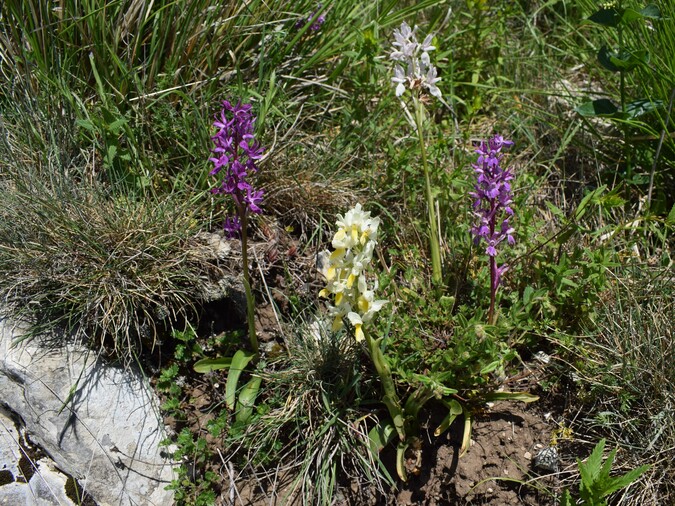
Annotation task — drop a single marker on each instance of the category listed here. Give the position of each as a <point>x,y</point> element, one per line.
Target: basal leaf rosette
<point>347,268</point>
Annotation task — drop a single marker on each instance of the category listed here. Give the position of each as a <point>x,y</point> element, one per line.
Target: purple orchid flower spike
<point>236,153</point>
<point>492,208</point>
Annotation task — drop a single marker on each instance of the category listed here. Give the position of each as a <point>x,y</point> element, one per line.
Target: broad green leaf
<point>583,205</point>
<point>556,210</point>
<point>117,125</point>
<point>511,396</point>
<point>606,17</point>
<point>490,367</point>
<point>623,481</point>
<point>381,435</point>
<point>212,364</point>
<point>611,200</point>
<point>603,475</point>
<point>569,282</point>
<point>599,107</point>
<point>651,11</point>
<point>625,60</point>
<point>454,410</point>
<point>246,400</point>
<point>111,152</point>
<point>86,124</point>
<point>239,363</point>
<point>400,460</point>
<point>590,469</point>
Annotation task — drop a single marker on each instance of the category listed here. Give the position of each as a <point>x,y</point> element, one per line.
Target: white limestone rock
<point>107,437</point>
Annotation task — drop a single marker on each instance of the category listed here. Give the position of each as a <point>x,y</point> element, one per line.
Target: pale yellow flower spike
<point>347,268</point>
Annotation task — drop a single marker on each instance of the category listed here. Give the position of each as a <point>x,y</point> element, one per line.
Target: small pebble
<point>527,455</point>
<point>542,357</point>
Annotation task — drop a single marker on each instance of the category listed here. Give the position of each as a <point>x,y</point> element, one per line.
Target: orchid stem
<point>390,397</point>
<point>250,302</point>
<point>493,290</point>
<point>437,275</point>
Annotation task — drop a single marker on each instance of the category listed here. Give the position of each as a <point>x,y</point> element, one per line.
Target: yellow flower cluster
<point>345,272</point>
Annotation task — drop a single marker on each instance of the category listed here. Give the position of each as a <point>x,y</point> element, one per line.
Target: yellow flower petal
<point>363,304</point>
<point>350,280</point>
<point>337,323</point>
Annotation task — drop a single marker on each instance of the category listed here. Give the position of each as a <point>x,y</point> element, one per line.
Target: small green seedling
<point>596,483</point>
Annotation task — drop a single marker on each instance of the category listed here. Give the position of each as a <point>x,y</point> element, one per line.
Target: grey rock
<point>46,486</point>
<point>98,423</point>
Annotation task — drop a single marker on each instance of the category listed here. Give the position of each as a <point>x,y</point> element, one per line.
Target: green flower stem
<point>250,302</point>
<point>390,397</point>
<point>437,276</point>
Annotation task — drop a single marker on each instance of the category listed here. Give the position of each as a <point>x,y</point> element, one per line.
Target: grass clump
<point>628,382</point>
<point>78,253</point>
<point>310,432</point>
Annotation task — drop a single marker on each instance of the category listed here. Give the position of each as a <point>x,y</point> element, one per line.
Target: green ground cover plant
<point>501,175</point>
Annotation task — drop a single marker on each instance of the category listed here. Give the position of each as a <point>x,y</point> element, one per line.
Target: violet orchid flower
<point>492,207</point>
<point>235,153</point>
